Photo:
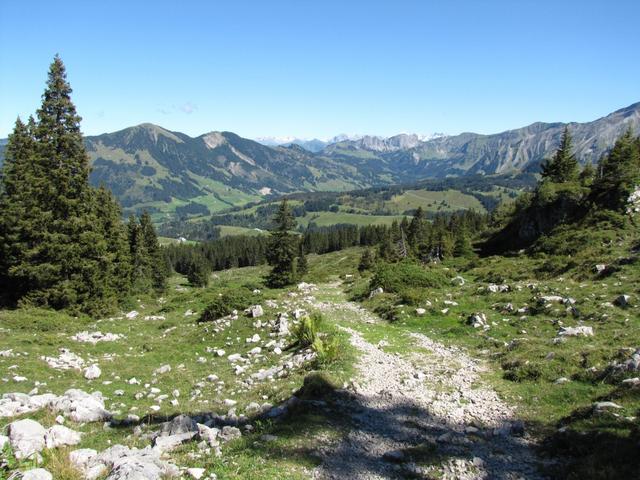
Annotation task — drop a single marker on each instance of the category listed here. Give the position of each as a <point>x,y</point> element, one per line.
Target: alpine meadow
<point>299,303</point>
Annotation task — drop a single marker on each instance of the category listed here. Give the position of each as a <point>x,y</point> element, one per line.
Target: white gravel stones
<point>92,372</point>
<point>478,320</point>
<point>123,463</point>
<point>13,404</point>
<point>26,438</point>
<point>95,337</point>
<point>80,406</point>
<point>132,314</point>
<point>447,399</point>
<point>420,311</point>
<point>375,292</point>
<point>65,361</point>
<point>255,311</point>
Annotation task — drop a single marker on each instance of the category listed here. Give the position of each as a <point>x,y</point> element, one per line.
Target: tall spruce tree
<point>563,167</point>
<point>618,173</point>
<point>282,248</point>
<point>58,255</point>
<point>158,268</point>
<point>19,211</point>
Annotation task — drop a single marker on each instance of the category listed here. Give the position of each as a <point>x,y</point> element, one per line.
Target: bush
<point>227,302</point>
<point>198,273</point>
<point>306,333</point>
<point>397,277</point>
<point>327,350</point>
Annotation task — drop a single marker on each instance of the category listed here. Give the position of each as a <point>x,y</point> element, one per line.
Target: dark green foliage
<point>62,242</point>
<point>56,230</point>
<point>282,249</point>
<point>462,244</point>
<point>225,303</point>
<point>618,173</point>
<point>563,167</point>
<point>198,272</point>
<point>367,260</point>
<point>406,274</point>
<point>302,265</point>
<point>158,266</point>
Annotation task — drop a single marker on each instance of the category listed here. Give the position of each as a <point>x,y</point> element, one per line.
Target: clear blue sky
<point>324,67</point>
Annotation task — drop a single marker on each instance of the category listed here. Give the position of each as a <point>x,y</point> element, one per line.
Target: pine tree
<point>563,167</point>
<point>282,249</point>
<point>198,272</point>
<point>302,266</point>
<point>587,175</point>
<point>20,212</point>
<point>140,264</point>
<point>416,230</point>
<point>58,256</point>
<point>618,173</point>
<point>367,261</point>
<point>462,244</point>
<point>157,265</point>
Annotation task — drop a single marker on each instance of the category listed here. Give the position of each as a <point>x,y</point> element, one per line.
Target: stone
<point>80,406</point>
<point>396,456</point>
<point>420,311</point>
<point>95,337</point>
<point>581,331</point>
<point>164,444</point>
<point>599,268</point>
<point>59,436</point>
<point>230,433</point>
<point>208,434</point>
<point>623,301</point>
<point>598,406</point>
<point>256,311</point>
<point>458,280</point>
<point>178,425</point>
<point>3,441</point>
<point>376,292</point>
<point>26,438</point>
<point>477,320</point>
<point>162,370</point>
<point>37,474</point>
<point>132,314</point>
<point>197,473</point>
<point>92,372</point>
<point>66,360</point>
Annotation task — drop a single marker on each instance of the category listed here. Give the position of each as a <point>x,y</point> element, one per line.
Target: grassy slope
<point>33,333</point>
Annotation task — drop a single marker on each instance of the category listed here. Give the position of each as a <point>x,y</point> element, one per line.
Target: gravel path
<point>429,407</point>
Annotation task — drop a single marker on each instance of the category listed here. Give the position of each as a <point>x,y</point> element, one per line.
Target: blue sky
<point>316,69</point>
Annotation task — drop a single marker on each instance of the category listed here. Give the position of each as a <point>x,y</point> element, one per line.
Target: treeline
<point>243,251</point>
<point>424,241</point>
<point>62,242</point>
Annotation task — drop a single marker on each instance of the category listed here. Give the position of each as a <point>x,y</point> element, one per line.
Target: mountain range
<point>149,166</point>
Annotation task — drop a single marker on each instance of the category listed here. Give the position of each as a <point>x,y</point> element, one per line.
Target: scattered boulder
<point>581,331</point>
<point>197,473</point>
<point>230,433</point>
<point>95,337</point>
<point>162,370</point>
<point>37,474</point>
<point>375,292</point>
<point>80,406</point>
<point>123,463</point>
<point>27,438</point>
<point>178,425</point>
<point>599,268</point>
<point>256,311</point>
<point>92,372</point>
<point>132,314</point>
<point>65,361</point>
<point>458,280</point>
<point>493,288</point>
<point>623,301</point>
<point>478,320</point>
<point>420,311</point>
<point>59,436</point>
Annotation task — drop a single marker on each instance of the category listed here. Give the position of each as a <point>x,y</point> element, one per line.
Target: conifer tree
<point>58,256</point>
<point>618,173</point>
<point>140,264</point>
<point>563,167</point>
<point>462,244</point>
<point>302,266</point>
<point>19,211</point>
<point>367,260</point>
<point>158,269</point>
<point>282,248</point>
<point>416,230</point>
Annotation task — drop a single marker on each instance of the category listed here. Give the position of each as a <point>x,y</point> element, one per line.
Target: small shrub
<point>396,277</point>
<point>327,350</point>
<point>518,371</point>
<point>227,302</point>
<point>306,332</point>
